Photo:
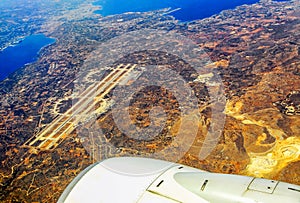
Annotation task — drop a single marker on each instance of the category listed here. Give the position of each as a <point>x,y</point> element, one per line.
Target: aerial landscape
<point>218,91</point>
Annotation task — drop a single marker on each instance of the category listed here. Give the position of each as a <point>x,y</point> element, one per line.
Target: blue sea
<point>15,57</point>
<point>190,9</point>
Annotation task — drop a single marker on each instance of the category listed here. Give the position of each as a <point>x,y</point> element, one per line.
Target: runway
<point>63,125</point>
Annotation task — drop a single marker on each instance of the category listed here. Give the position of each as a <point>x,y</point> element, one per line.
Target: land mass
<point>253,48</point>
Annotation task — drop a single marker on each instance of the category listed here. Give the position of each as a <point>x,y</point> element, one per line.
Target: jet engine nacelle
<point>143,180</point>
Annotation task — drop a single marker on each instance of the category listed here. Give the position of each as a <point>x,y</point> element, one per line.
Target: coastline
<point>182,11</point>
<point>31,58</point>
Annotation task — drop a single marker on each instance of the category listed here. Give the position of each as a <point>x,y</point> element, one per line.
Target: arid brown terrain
<point>254,49</point>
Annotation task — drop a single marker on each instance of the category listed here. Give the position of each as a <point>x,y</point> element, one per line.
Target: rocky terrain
<point>254,49</point>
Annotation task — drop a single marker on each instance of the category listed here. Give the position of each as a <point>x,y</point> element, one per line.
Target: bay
<point>190,9</point>
<point>26,51</point>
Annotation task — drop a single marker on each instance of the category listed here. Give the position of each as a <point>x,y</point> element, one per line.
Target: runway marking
<point>62,126</point>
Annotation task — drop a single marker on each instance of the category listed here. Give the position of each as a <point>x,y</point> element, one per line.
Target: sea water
<point>190,9</point>
<point>26,51</point>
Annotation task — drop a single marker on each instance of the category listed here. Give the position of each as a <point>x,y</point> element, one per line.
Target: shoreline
<point>173,9</point>
<point>34,58</point>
